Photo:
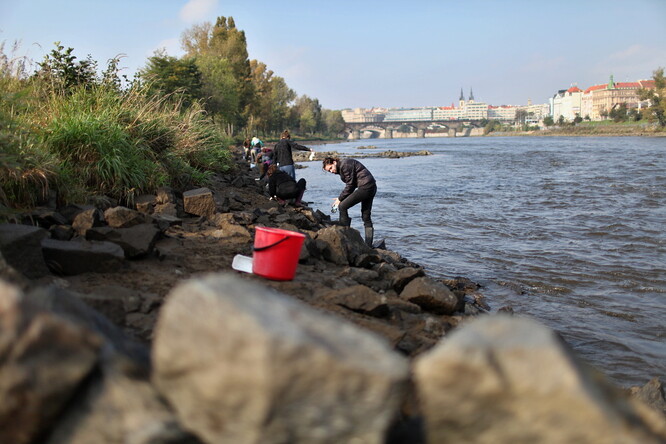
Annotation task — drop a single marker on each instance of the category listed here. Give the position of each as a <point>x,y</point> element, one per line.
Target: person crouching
<point>282,186</point>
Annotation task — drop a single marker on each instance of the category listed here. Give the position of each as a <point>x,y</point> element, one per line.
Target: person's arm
<point>272,188</point>
<point>296,146</point>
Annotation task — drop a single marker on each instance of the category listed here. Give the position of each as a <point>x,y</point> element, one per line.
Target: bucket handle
<point>266,247</point>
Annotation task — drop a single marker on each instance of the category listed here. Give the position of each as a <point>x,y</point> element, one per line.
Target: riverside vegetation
<point>121,321</point>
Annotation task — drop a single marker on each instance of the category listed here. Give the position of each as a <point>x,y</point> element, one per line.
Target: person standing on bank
<point>360,187</point>
<point>283,153</point>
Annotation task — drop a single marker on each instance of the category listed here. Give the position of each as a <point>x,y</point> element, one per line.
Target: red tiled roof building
<point>603,98</point>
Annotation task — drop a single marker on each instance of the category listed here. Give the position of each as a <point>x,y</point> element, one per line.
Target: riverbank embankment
<point>150,334</point>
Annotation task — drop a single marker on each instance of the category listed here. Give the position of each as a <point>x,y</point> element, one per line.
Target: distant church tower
<point>461,101</point>
<point>471,96</point>
<point>611,83</point>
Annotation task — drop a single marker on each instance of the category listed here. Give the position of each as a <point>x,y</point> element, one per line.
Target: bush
<point>95,138</point>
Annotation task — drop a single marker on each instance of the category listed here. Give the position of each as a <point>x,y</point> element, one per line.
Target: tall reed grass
<point>98,140</point>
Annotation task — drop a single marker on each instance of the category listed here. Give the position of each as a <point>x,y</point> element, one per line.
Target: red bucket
<point>276,253</point>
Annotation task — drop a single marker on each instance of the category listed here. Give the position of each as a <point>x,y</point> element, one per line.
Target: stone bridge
<point>385,129</point>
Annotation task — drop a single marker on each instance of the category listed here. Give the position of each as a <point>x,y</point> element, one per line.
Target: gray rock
<point>404,276</point>
<point>71,258</point>
<point>87,219</point>
<point>61,232</point>
<point>361,275</point>
<point>167,209</point>
<point>116,404</point>
<point>119,407</point>
<point>199,202</point>
<point>45,218</point>
<point>43,359</point>
<point>652,394</point>
<point>145,203</point>
<point>136,241</point>
<point>163,221</point>
<point>82,310</point>
<point>9,274</point>
<point>20,246</point>
<point>71,210</point>
<point>509,379</point>
<point>242,363</point>
<point>360,299</point>
<point>123,217</point>
<point>432,296</point>
<point>341,245</point>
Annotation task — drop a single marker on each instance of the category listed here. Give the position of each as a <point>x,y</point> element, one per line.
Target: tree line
<point>240,95</point>
<point>69,131</point>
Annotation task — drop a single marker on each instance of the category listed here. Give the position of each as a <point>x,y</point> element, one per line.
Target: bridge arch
<point>386,129</point>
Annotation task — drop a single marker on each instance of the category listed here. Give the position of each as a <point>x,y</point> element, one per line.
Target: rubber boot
<point>299,198</point>
<point>369,234</point>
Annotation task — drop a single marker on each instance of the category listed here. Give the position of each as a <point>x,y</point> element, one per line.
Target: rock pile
<point>127,325</point>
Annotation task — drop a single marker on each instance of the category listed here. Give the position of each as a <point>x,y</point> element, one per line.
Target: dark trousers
<point>363,195</point>
<point>291,190</point>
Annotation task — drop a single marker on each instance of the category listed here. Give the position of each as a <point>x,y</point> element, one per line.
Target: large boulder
<point>432,296</point>
<point>43,360</point>
<point>71,258</point>
<point>341,245</point>
<point>21,247</point>
<point>404,276</point>
<point>9,274</point>
<point>80,309</point>
<point>360,299</point>
<point>117,403</point>
<point>509,379</point>
<point>119,407</point>
<point>242,363</point>
<point>136,241</point>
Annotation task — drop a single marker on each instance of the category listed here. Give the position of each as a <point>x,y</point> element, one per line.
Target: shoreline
<point>379,292</point>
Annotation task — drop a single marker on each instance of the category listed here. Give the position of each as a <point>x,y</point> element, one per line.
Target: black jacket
<point>355,175</point>
<point>281,184</point>
<point>283,151</point>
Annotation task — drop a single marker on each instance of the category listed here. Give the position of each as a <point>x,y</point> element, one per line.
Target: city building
<point>447,113</point>
<point>614,94</point>
<point>598,100</point>
<point>503,113</point>
<point>535,113</point>
<point>594,103</point>
<point>407,115</point>
<point>566,103</point>
<point>360,115</point>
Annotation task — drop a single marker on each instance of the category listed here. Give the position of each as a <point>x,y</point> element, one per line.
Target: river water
<point>570,231</point>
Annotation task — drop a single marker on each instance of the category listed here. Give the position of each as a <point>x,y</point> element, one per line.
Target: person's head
<point>330,164</point>
<point>246,143</point>
<point>285,135</point>
<point>271,170</point>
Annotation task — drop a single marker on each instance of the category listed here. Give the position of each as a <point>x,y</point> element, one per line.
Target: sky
<point>371,53</point>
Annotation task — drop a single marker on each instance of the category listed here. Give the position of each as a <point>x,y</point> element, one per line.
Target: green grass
<point>97,140</point>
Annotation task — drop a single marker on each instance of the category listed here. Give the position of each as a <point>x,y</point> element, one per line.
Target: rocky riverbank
<point>129,325</point>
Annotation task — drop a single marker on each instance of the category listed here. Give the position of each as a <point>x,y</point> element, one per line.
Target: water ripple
<point>567,230</point>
